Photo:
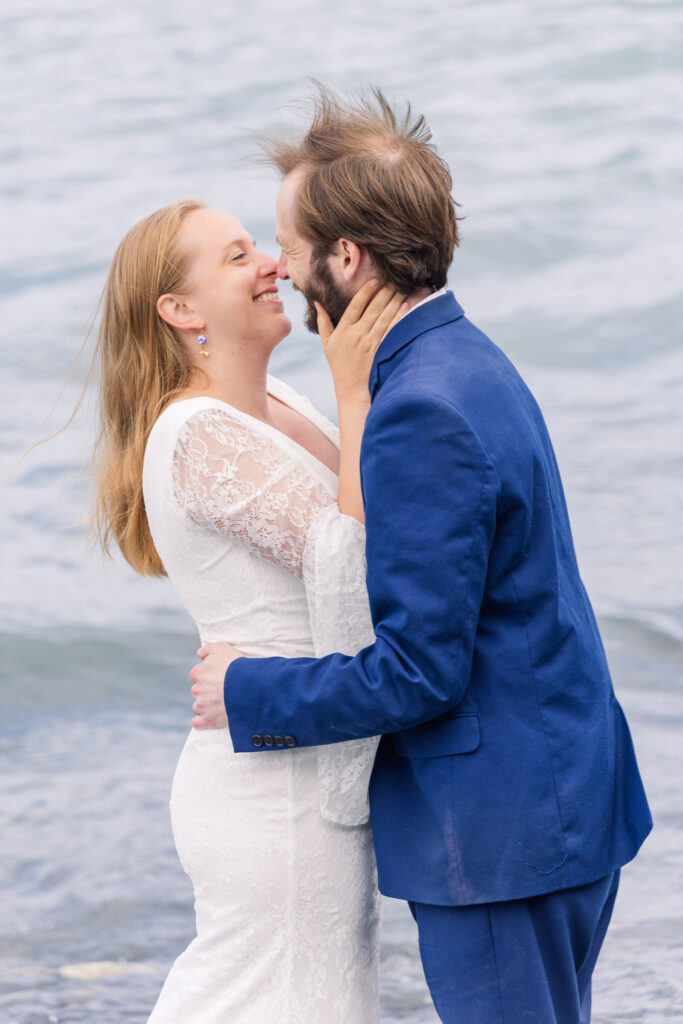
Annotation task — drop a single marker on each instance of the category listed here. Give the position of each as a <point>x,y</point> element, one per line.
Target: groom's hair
<point>373,177</point>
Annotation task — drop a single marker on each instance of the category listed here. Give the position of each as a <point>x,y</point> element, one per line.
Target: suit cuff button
<point>268,740</point>
<point>257,741</point>
<point>290,741</point>
<point>278,741</point>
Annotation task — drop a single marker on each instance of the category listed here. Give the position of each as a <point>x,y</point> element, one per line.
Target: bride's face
<point>231,285</point>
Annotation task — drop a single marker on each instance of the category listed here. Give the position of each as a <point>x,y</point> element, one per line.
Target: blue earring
<point>201,340</point>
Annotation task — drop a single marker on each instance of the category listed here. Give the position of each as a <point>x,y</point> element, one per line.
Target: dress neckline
<point>289,397</point>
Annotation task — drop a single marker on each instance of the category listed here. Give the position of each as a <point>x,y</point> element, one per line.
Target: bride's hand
<point>350,346</point>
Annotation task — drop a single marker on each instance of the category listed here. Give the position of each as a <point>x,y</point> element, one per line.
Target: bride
<point>226,480</point>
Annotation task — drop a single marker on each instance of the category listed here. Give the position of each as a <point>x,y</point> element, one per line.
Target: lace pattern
<point>334,576</point>
<point>233,479</point>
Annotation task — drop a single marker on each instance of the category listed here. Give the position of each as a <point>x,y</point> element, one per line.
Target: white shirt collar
<point>434,295</point>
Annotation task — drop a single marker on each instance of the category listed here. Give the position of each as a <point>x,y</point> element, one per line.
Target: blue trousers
<point>519,962</point>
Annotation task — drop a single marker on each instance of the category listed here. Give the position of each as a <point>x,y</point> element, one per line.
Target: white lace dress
<point>277,844</point>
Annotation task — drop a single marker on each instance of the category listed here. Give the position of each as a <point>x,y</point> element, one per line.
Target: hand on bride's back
<point>207,678</point>
<point>350,346</point>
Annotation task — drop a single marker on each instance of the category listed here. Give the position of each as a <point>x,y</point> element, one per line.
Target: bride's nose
<point>267,266</point>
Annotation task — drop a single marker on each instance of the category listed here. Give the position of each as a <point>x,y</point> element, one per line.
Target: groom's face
<point>308,271</point>
<point>320,286</point>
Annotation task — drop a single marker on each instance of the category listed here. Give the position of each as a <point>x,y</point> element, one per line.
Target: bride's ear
<point>178,314</point>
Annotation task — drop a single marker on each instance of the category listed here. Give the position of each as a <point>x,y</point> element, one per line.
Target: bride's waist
<point>263,647</point>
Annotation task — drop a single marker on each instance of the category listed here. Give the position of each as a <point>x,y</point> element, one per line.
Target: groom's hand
<point>208,677</point>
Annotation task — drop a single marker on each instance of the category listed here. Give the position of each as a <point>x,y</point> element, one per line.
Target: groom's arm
<point>430,501</point>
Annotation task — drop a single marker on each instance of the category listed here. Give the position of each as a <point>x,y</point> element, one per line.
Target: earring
<point>201,340</point>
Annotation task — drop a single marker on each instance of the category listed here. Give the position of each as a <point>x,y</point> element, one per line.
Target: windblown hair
<point>141,365</point>
<point>373,177</point>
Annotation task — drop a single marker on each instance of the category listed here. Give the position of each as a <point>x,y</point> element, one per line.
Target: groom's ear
<point>352,260</point>
<point>178,313</point>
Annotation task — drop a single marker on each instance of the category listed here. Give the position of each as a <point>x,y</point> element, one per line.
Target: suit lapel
<point>432,314</point>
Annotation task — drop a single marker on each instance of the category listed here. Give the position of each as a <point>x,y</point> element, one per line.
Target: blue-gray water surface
<point>563,125</point>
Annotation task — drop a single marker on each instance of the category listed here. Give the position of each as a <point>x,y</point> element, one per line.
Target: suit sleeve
<point>430,504</point>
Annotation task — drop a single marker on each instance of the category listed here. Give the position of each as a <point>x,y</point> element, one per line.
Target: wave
<point>93,669</point>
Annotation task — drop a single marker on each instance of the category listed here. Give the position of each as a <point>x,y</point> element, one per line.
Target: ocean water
<point>563,126</point>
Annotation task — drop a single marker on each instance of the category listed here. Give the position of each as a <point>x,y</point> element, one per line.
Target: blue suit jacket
<point>506,768</point>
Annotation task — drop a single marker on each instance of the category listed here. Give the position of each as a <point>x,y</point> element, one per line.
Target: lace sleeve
<point>334,576</point>
<point>232,479</point>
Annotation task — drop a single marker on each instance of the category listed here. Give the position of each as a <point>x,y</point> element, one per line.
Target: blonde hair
<point>141,365</point>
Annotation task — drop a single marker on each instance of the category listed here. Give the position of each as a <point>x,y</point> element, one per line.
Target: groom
<point>505,795</point>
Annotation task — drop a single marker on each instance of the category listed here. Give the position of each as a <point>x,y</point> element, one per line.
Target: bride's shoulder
<point>180,420</point>
<point>176,414</point>
<point>185,411</point>
<point>203,426</point>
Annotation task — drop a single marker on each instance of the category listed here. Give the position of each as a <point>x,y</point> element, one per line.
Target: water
<point>562,123</point>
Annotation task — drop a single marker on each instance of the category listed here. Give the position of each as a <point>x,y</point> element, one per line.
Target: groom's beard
<point>321,287</point>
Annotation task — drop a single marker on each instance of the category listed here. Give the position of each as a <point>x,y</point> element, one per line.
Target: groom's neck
<point>418,296</point>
